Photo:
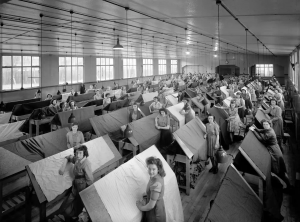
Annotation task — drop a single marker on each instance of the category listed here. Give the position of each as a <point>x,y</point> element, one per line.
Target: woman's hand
<point>139,205</point>
<point>205,136</point>
<point>158,127</point>
<point>217,145</point>
<point>251,128</point>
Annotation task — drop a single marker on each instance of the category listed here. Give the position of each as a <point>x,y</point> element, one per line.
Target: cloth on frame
<point>174,112</point>
<point>120,189</point>
<point>4,118</point>
<point>46,170</point>
<point>10,130</point>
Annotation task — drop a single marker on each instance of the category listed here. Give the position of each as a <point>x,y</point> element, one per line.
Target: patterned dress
<point>212,131</point>
<point>155,191</point>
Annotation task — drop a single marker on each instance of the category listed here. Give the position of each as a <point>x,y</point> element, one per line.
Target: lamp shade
<point>221,155</point>
<point>118,46</point>
<point>72,118</point>
<point>128,132</point>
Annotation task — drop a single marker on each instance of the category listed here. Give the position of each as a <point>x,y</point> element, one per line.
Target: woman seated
<point>63,107</point>
<point>72,92</point>
<point>187,111</point>
<point>54,104</point>
<point>74,137</point>
<point>234,121</point>
<point>146,89</point>
<point>162,123</point>
<point>72,105</point>
<point>155,106</point>
<point>135,114</point>
<point>246,96</point>
<point>38,94</point>
<point>268,137</point>
<point>204,101</point>
<point>212,138</point>
<point>97,96</point>
<point>124,91</point>
<point>276,119</point>
<point>106,100</point>
<point>49,96</point>
<point>154,207</point>
<point>82,170</point>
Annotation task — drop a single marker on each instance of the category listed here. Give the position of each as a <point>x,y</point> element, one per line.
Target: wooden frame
<point>42,201</point>
<point>37,124</point>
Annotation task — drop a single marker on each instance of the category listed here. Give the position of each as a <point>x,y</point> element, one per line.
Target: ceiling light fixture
<point>118,46</point>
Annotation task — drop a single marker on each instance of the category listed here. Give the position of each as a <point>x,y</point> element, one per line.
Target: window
<point>20,71</point>
<point>70,73</point>
<point>174,66</point>
<point>147,67</point>
<point>129,68</point>
<point>265,70</point>
<point>162,66</point>
<point>105,69</point>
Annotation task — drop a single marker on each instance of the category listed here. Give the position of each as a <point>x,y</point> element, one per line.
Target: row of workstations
<point>38,152</point>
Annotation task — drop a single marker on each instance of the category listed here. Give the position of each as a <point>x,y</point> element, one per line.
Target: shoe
<point>216,170</point>
<point>211,170</point>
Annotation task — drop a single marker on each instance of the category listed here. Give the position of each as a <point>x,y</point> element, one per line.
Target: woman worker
<point>276,119</point>
<point>240,104</point>
<point>134,114</point>
<point>72,205</point>
<point>162,123</point>
<point>155,106</point>
<point>72,105</point>
<point>187,111</point>
<point>212,138</point>
<point>74,137</point>
<point>155,207</point>
<point>234,121</point>
<point>268,137</point>
<point>98,95</point>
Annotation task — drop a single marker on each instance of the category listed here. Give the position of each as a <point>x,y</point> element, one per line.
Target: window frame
<point>264,70</point>
<point>148,63</point>
<point>125,67</point>
<point>22,67</point>
<point>106,67</point>
<point>71,66</point>
<point>162,67</point>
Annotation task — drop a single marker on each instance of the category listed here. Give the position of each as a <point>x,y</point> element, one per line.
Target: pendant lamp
<point>118,46</point>
<point>58,93</point>
<point>128,132</point>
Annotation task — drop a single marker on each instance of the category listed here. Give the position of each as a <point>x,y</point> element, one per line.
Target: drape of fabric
<point>4,118</point>
<point>269,140</point>
<point>212,131</point>
<point>158,213</point>
<point>10,130</point>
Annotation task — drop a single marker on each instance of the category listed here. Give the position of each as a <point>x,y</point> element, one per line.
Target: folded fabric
<point>4,118</point>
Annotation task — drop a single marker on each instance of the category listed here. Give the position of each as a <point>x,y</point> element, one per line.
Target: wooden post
<point>188,175</point>
<point>43,212</point>
<point>28,205</point>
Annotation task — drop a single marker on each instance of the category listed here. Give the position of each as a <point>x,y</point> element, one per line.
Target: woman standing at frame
<point>234,121</point>
<point>162,123</point>
<point>72,205</point>
<point>155,207</point>
<point>268,137</point>
<point>212,138</point>
<point>74,137</point>
<point>240,105</point>
<point>134,114</point>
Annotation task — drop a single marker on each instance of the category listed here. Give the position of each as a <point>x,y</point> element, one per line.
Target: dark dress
<point>72,205</point>
<point>268,138</point>
<point>155,191</point>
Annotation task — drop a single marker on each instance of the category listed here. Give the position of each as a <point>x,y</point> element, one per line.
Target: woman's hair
<point>61,104</point>
<point>273,99</point>
<point>135,104</point>
<point>49,95</point>
<point>52,100</point>
<point>264,120</point>
<point>212,116</point>
<point>82,148</point>
<point>73,124</point>
<point>158,163</point>
<point>238,93</point>
<point>155,97</point>
<point>107,95</point>
<point>72,101</point>
<point>162,110</point>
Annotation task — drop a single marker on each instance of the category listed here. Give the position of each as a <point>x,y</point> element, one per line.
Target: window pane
<point>6,78</point>
<point>35,61</point>
<point>98,72</point>
<point>26,61</point>
<point>17,77</point>
<point>6,60</point>
<point>80,73</point>
<point>102,73</point>
<point>62,75</point>
<point>97,61</point>
<point>111,74</point>
<point>27,77</point>
<point>111,61</point>
<point>17,61</point>
<point>74,75</point>
<point>35,73</point>
<point>102,61</point>
<point>68,61</point>
<point>62,61</point>
<point>74,61</point>
<point>80,61</point>
<point>68,74</point>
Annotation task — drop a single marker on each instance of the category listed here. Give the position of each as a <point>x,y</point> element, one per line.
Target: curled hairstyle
<point>82,148</point>
<point>266,121</point>
<point>163,110</point>
<point>273,99</point>
<point>212,116</point>
<point>158,163</point>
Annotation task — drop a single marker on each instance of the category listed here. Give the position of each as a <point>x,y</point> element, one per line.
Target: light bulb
<point>187,52</point>
<point>215,55</point>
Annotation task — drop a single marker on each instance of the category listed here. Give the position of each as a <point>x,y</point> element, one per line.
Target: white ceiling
<point>275,22</point>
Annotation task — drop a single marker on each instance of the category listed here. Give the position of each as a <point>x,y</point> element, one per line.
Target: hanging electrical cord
<point>257,52</point>
<point>142,51</point>
<point>41,47</point>
<point>247,50</point>
<point>219,46</point>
